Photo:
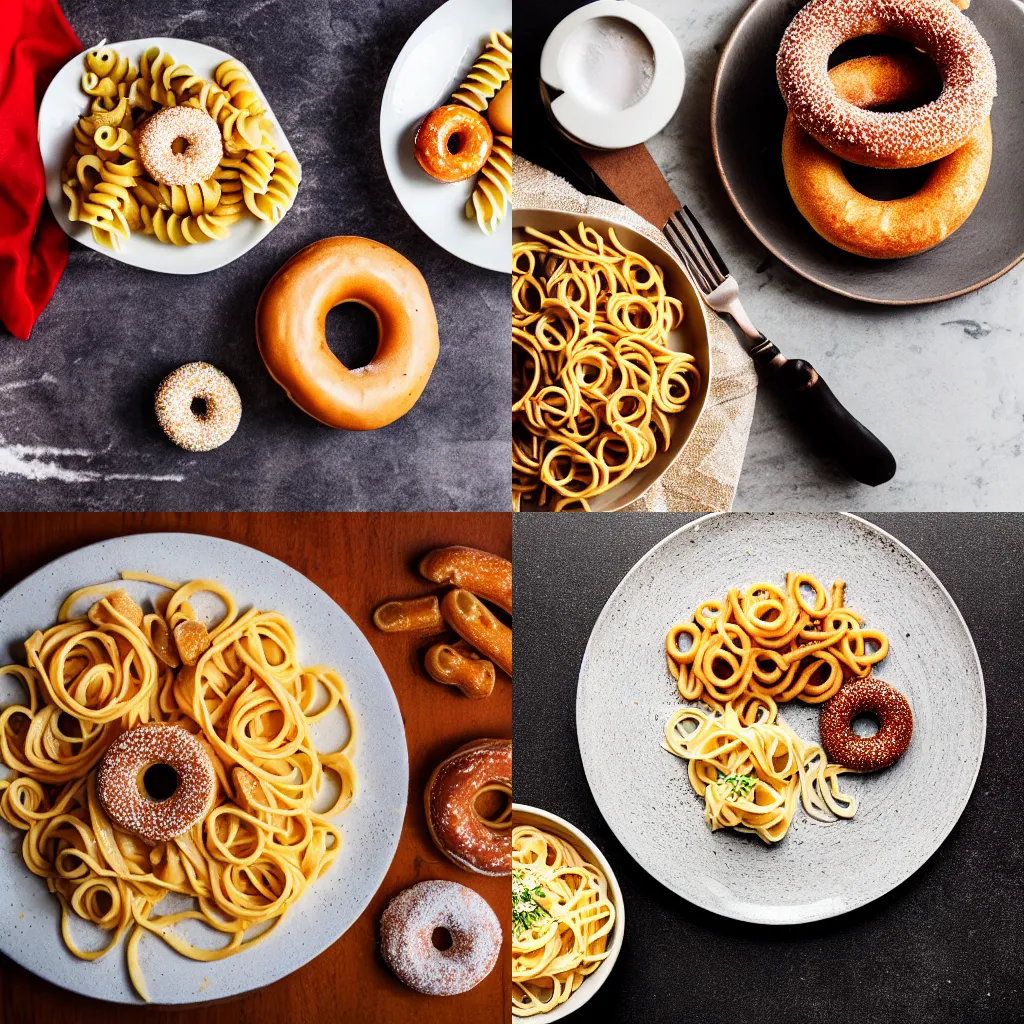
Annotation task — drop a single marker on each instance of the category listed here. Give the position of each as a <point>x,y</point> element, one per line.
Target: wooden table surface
<point>359,559</point>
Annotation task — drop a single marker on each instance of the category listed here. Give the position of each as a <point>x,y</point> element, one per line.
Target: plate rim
<point>807,275</point>
<point>84,237</point>
<point>858,902</point>
<point>390,171</point>
<point>132,997</point>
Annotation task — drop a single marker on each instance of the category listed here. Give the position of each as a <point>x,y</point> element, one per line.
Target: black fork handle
<point>830,428</point>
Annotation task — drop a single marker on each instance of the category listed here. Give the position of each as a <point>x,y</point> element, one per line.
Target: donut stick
<point>459,665</point>
<point>416,615</point>
<point>477,625</point>
<point>486,575</point>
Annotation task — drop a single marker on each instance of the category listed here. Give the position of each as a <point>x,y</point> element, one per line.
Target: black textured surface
<point>85,380</point>
<point>943,946</point>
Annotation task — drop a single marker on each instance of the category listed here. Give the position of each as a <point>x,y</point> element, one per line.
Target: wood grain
<point>360,560</point>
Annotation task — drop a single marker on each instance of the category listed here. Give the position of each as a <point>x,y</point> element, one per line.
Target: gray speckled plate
<point>30,916</point>
<point>819,870</point>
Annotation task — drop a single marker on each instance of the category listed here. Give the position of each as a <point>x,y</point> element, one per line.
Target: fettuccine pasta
<point>251,704</point>
<point>594,380</point>
<point>561,919</point>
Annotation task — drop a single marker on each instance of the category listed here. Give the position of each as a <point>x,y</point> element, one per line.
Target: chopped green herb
<point>741,785</point>
<point>526,911</point>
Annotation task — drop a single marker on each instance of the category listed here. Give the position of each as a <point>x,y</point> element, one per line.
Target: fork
<point>827,424</point>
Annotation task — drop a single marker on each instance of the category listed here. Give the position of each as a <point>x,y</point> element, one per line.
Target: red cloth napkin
<point>35,43</point>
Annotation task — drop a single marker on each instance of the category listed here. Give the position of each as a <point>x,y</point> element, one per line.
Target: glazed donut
<point>870,227</point>
<point>198,407</point>
<point>407,929</point>
<point>121,791</point>
<point>449,799</point>
<point>290,322</point>
<point>866,753</point>
<point>447,126</point>
<point>486,575</point>
<point>907,138</point>
<point>197,162</point>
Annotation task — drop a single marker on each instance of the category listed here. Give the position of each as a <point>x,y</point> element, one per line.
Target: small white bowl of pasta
<point>557,872</point>
<point>214,214</point>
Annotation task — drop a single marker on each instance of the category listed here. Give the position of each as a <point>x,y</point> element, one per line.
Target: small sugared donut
<point>407,931</point>
<point>907,138</point>
<point>892,228</point>
<point>452,143</point>
<point>203,146</point>
<point>457,828</point>
<point>122,792</point>
<point>866,753</point>
<point>198,407</point>
<point>290,331</point>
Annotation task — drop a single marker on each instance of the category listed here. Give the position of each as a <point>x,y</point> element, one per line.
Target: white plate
<point>428,70</point>
<point>818,870</point>
<point>61,108</point>
<point>370,826</point>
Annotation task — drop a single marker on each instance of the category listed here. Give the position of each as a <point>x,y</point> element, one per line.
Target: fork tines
<point>698,252</point>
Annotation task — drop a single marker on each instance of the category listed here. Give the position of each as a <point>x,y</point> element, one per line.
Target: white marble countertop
<point>942,385</point>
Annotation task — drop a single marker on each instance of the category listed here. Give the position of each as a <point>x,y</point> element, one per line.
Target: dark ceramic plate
<point>747,117</point>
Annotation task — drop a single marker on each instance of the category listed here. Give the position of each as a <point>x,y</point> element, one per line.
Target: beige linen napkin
<point>704,476</point>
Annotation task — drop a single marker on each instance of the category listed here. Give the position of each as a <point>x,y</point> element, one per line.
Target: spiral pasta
<point>562,917</point>
<point>249,701</point>
<point>491,71</point>
<point>107,186</point>
<point>593,379</point>
<point>493,191</point>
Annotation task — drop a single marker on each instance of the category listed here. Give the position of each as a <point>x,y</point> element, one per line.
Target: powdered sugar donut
<point>203,150</point>
<point>407,932</point>
<point>123,790</point>
<point>907,138</point>
<point>198,407</point>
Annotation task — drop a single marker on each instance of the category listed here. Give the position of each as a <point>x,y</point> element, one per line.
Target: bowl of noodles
<point>568,919</point>
<point>611,361</point>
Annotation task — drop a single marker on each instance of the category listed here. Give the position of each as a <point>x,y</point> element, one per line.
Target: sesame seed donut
<point>870,227</point>
<point>203,146</point>
<point>198,407</point>
<point>406,938</point>
<point>907,138</point>
<point>123,794</point>
<point>447,127</point>
<point>866,753</point>
<point>456,826</point>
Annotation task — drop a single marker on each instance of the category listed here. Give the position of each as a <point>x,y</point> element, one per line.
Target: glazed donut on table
<point>452,143</point>
<point>870,227</point>
<point>290,331</point>
<point>202,153</point>
<point>456,826</point>
<point>871,138</point>
<point>406,938</point>
<point>866,753</point>
<point>121,791</point>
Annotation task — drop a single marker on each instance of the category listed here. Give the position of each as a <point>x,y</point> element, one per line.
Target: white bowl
<point>64,102</point>
<point>523,814</point>
<point>430,67</point>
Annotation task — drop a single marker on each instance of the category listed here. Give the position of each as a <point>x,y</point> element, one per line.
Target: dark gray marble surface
<point>77,429</point>
<point>943,946</point>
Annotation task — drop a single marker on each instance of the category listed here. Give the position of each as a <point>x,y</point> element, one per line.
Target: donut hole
<point>454,142</point>
<point>200,407</point>
<point>493,805</point>
<point>865,724</point>
<point>352,334</point>
<point>179,145</point>
<point>441,939</point>
<point>886,185</point>
<point>159,782</point>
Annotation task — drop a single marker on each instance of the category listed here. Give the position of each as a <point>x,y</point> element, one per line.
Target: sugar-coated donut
<point>866,753</point>
<point>452,143</point>
<point>290,323</point>
<point>120,789</point>
<point>203,151</point>
<point>872,138</point>
<point>870,227</point>
<point>198,407</point>
<point>406,938</point>
<point>450,803</point>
